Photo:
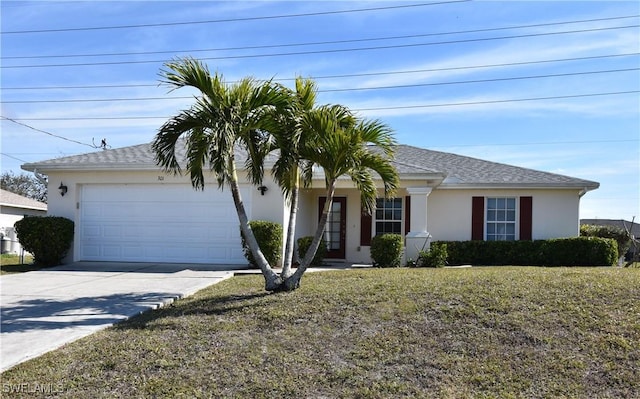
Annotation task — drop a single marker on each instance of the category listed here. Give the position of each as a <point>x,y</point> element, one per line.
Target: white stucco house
<point>14,207</point>
<point>126,209</point>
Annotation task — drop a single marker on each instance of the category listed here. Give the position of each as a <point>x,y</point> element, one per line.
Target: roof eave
<point>582,186</point>
<point>43,168</point>
<point>35,208</point>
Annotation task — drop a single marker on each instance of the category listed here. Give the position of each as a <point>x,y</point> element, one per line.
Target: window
<point>501,219</point>
<point>388,216</point>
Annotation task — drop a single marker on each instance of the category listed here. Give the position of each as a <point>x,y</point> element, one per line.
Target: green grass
<point>496,332</point>
<point>10,264</point>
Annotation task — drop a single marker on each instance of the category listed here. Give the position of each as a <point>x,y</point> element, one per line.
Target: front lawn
<point>495,332</point>
<point>10,263</point>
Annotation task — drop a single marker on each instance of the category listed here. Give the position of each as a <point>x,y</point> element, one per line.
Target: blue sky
<point>547,85</point>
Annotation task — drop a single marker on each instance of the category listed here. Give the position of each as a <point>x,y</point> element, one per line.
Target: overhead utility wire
<point>498,101</point>
<point>320,43</point>
<point>10,156</point>
<point>80,100</point>
<point>359,109</point>
<point>344,75</point>
<point>327,51</point>
<point>309,14</point>
<point>45,132</point>
<point>540,143</point>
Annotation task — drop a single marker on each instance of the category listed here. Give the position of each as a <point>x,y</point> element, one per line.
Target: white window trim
<point>374,220</point>
<point>516,223</point>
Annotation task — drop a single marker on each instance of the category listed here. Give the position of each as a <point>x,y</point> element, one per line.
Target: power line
<point>362,109</point>
<point>321,42</point>
<point>12,157</point>
<point>346,75</point>
<point>338,90</point>
<point>48,133</point>
<point>498,101</point>
<point>541,143</point>
<point>326,51</point>
<point>310,14</point>
<point>481,80</point>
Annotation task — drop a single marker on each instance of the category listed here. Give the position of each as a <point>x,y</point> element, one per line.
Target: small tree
<point>612,232</point>
<point>26,185</point>
<point>48,238</point>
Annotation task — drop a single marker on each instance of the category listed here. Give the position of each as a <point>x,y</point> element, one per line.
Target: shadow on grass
<point>208,306</point>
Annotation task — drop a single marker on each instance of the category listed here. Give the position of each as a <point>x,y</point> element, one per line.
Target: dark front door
<point>336,230</point>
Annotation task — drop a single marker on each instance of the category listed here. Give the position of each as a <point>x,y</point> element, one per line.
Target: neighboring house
<point>126,209</point>
<point>14,207</point>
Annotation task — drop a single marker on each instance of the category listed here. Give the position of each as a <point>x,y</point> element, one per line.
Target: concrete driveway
<point>43,310</point>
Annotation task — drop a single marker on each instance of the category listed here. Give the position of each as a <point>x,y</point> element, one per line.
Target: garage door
<point>159,223</point>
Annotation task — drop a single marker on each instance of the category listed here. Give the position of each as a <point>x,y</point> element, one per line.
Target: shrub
<point>580,251</point>
<point>612,232</point>
<point>48,238</point>
<point>269,237</point>
<point>577,251</point>
<point>436,256</point>
<point>303,245</point>
<point>386,250</point>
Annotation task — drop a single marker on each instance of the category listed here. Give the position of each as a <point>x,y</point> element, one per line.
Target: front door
<point>336,229</point>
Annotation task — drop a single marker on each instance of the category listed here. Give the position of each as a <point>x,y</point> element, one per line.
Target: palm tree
<point>223,117</point>
<point>288,130</point>
<point>337,142</point>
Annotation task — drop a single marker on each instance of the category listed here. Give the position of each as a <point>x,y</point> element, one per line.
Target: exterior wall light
<point>63,189</point>
<point>263,189</point>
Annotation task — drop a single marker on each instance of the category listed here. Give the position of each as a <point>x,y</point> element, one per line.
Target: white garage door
<point>160,223</point>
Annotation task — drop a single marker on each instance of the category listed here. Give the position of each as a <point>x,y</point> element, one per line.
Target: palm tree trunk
<point>293,282</point>
<point>291,229</point>
<point>272,280</point>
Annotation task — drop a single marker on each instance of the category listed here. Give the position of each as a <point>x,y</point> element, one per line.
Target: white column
<point>418,238</point>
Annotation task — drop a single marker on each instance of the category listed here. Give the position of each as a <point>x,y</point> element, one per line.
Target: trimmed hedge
<point>578,251</point>
<point>303,245</point>
<point>48,238</point>
<point>386,250</point>
<point>269,237</point>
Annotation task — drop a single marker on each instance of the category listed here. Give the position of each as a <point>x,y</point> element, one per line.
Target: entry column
<point>418,239</point>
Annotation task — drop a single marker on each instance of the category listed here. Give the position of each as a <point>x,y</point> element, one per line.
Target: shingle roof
<point>456,170</point>
<point>136,157</point>
<point>8,198</point>
<point>461,170</point>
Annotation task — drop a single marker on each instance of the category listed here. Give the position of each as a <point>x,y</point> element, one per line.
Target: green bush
<point>436,256</point>
<point>615,233</point>
<point>386,250</point>
<point>48,238</point>
<point>578,251</point>
<point>303,245</point>
<point>269,237</point>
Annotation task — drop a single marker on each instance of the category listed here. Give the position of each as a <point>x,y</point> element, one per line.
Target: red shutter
<point>526,218</point>
<point>407,215</point>
<point>365,229</point>
<point>477,218</point>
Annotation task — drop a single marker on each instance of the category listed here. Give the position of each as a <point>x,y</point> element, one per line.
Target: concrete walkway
<point>43,310</point>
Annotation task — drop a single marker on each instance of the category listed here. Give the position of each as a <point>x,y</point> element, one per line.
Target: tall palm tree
<point>338,143</point>
<point>288,130</point>
<point>224,117</point>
